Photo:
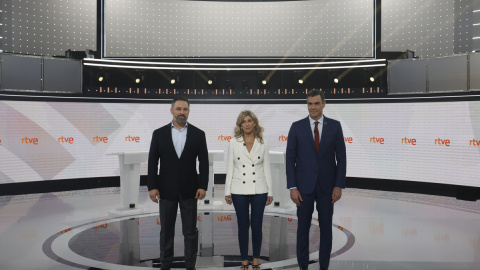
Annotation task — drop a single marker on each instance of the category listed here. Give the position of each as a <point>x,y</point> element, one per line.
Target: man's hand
<point>200,194</point>
<point>295,196</point>
<point>154,195</point>
<point>269,200</point>
<point>228,199</point>
<point>336,194</point>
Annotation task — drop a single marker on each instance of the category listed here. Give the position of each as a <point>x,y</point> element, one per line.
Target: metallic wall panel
<point>474,71</point>
<point>62,75</point>
<point>20,72</point>
<point>448,74</point>
<point>407,76</point>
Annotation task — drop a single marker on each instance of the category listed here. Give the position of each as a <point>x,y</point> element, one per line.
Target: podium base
<point>126,211</point>
<point>205,262</point>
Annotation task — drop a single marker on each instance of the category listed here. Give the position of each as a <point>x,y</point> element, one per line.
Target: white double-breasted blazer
<point>248,173</point>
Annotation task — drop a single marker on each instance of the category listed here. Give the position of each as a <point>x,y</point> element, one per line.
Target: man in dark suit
<point>177,146</point>
<point>316,164</point>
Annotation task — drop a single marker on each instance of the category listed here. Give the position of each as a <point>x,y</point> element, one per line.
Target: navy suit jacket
<point>306,167</point>
<point>177,176</point>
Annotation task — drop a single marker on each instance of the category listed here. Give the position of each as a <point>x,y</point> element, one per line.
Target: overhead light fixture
<point>300,81</point>
<point>335,80</point>
<point>210,81</point>
<point>264,82</point>
<point>372,79</point>
<point>173,81</point>
<point>138,80</point>
<point>100,78</point>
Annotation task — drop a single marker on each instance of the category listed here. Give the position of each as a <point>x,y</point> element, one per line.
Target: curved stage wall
<point>429,142</point>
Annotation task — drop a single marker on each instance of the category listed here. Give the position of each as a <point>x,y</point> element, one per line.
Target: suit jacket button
<point>253,173</point>
<point>243,173</point>
<point>253,165</point>
<point>258,157</point>
<point>238,158</point>
<point>243,166</point>
<point>253,181</point>
<point>244,182</point>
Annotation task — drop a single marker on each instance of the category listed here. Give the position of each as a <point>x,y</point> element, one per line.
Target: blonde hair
<point>258,130</point>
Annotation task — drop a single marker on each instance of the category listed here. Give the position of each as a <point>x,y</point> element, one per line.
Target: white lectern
<point>213,155</point>
<point>130,183</point>
<point>281,195</point>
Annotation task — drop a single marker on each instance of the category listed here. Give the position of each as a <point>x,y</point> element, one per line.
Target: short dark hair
<point>180,98</point>
<point>316,92</point>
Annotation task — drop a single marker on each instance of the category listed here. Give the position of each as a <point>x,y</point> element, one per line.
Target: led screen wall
<point>178,28</point>
<point>426,142</point>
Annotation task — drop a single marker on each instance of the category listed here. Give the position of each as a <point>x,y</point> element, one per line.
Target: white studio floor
<point>373,230</point>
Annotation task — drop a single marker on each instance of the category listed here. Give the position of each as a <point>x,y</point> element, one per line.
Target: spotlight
<point>300,81</point>
<point>210,82</point>
<point>138,80</point>
<point>264,82</point>
<point>100,78</point>
<point>335,80</point>
<point>372,79</point>
<point>173,81</point>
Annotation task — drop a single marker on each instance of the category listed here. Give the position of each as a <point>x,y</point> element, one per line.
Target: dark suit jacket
<point>305,166</point>
<point>177,176</point>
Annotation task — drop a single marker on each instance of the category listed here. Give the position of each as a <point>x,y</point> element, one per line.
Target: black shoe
<point>191,268</point>
<point>303,267</point>
<point>323,268</point>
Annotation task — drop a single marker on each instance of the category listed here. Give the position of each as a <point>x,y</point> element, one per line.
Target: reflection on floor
<point>373,230</point>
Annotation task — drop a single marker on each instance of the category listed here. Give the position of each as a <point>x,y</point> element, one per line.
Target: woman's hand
<point>228,199</point>
<point>269,200</point>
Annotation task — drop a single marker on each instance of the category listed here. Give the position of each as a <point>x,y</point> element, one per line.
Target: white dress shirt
<point>179,137</point>
<point>320,126</point>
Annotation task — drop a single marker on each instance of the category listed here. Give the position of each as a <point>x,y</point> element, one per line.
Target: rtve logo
<point>103,226</point>
<point>410,232</point>
<point>377,140</point>
<point>472,142</point>
<point>224,138</point>
<point>100,139</point>
<point>0,141</point>
<point>441,142</point>
<point>66,140</point>
<point>442,238</point>
<point>224,218</point>
<point>348,139</point>
<point>409,141</point>
<point>30,140</point>
<point>282,138</point>
<point>132,139</point>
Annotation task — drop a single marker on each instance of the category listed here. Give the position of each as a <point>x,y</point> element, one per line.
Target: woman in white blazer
<point>249,183</point>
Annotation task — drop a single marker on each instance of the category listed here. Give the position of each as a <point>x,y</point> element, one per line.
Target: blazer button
<point>244,182</point>
<point>243,173</point>
<point>253,173</point>
<point>258,157</point>
<point>238,158</point>
<point>253,181</point>
<point>243,166</point>
<point>253,165</point>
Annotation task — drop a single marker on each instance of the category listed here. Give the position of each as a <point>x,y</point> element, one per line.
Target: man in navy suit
<point>316,167</point>
<point>177,146</point>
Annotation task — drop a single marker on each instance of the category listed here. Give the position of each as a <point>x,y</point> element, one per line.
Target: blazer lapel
<point>242,146</point>
<point>325,129</point>
<point>308,131</point>
<point>188,140</point>
<point>254,151</point>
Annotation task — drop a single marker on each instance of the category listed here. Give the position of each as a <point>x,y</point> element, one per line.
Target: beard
<point>180,120</point>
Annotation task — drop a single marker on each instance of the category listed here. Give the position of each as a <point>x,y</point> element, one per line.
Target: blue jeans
<point>242,204</point>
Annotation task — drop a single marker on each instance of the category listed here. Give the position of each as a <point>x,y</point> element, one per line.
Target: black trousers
<point>168,216</point>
